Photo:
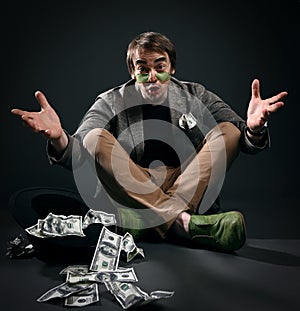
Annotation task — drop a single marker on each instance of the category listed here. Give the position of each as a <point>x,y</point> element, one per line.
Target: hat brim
<point>30,204</point>
<point>33,203</point>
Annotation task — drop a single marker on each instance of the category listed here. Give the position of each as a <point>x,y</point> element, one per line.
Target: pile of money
<point>80,287</point>
<point>57,226</point>
<point>61,225</point>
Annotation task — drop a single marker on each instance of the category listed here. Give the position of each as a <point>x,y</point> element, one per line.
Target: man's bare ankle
<point>183,220</point>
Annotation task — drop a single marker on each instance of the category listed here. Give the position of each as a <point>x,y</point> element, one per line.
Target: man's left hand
<point>259,110</point>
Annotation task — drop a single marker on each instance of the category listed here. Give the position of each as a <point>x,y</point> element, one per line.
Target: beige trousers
<point>165,191</point>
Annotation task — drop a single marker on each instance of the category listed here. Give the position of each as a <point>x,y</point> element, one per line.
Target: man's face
<point>154,90</point>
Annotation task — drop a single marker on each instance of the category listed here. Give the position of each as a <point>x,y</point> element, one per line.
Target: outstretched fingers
<point>18,112</point>
<point>42,100</point>
<point>277,98</point>
<point>40,97</point>
<point>275,102</point>
<point>26,116</point>
<point>274,107</point>
<point>255,89</point>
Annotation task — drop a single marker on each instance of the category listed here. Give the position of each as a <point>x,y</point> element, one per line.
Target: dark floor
<point>263,275</point>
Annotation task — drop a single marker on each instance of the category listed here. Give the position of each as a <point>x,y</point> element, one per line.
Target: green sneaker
<point>224,232</point>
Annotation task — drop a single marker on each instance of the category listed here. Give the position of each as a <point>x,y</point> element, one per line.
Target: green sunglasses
<point>144,77</point>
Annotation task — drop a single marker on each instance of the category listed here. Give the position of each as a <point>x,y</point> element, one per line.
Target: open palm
<point>46,121</point>
<point>260,109</point>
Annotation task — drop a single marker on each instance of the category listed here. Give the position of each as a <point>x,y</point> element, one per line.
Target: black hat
<point>30,204</point>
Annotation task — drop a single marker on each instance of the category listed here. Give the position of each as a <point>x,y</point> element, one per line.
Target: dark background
<point>74,50</point>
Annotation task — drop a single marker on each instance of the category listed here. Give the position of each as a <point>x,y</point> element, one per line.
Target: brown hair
<point>152,41</point>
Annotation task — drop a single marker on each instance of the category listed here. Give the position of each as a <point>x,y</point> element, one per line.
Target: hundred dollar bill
<point>86,297</point>
<point>128,294</point>
<point>75,268</point>
<point>107,252</point>
<point>35,231</point>
<point>130,248</point>
<point>61,291</point>
<point>98,217</point>
<point>124,275</point>
<point>60,225</point>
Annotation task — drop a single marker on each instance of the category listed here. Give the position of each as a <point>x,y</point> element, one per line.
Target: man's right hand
<point>46,122</point>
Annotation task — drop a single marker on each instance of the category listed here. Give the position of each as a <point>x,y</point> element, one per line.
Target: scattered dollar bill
<point>35,231</point>
<point>130,248</point>
<point>124,275</point>
<point>75,268</point>
<point>63,290</point>
<point>81,285</point>
<point>129,295</point>
<point>83,298</point>
<point>107,252</point>
<point>98,217</point>
<point>60,225</point>
<point>57,226</point>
